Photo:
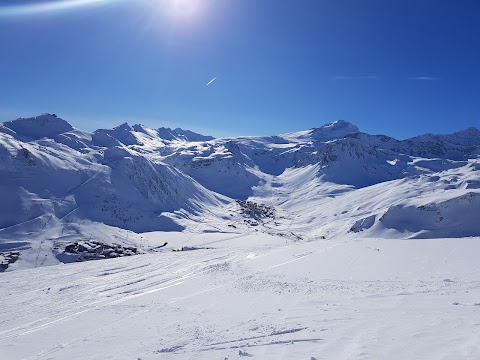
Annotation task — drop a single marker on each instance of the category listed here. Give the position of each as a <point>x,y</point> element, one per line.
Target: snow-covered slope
<point>56,182</point>
<point>282,247</point>
<point>251,297</point>
<point>46,125</point>
<point>57,178</point>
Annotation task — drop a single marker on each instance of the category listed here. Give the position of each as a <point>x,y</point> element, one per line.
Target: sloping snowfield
<point>255,296</point>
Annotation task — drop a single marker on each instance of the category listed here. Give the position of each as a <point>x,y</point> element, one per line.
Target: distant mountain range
<point>57,183</point>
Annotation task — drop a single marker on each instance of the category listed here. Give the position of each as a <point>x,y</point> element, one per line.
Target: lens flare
<point>48,7</point>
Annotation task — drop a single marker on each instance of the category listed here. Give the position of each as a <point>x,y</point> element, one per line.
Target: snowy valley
<point>327,243</point>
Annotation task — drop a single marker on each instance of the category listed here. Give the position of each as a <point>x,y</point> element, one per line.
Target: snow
<point>325,182</point>
<point>327,243</point>
<point>367,298</point>
<point>336,130</point>
<point>181,135</point>
<point>46,125</point>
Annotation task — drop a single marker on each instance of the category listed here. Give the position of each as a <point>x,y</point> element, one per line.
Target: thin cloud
<point>211,81</point>
<point>425,78</point>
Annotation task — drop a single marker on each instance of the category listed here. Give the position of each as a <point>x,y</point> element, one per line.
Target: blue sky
<point>400,68</point>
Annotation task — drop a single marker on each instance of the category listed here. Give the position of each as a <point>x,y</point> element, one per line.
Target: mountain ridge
<point>50,124</point>
<point>58,183</point>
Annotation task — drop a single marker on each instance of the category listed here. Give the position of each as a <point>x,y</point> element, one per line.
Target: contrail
<point>211,81</point>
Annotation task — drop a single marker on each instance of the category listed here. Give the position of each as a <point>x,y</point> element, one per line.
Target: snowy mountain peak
<point>340,124</point>
<point>471,132</point>
<point>335,130</point>
<point>182,135</point>
<point>45,125</point>
<point>139,134</point>
<point>122,134</point>
<point>464,138</point>
<point>141,128</point>
<point>123,127</point>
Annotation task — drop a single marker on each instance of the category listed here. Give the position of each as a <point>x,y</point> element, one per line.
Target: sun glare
<point>178,9</point>
<point>48,6</point>
<point>184,8</point>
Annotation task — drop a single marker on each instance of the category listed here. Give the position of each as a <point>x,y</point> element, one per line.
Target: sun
<point>184,8</point>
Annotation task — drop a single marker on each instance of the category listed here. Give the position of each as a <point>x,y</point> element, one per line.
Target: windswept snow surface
<point>327,243</point>
<point>252,296</point>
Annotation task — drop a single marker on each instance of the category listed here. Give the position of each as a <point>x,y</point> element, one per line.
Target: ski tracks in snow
<point>108,287</point>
